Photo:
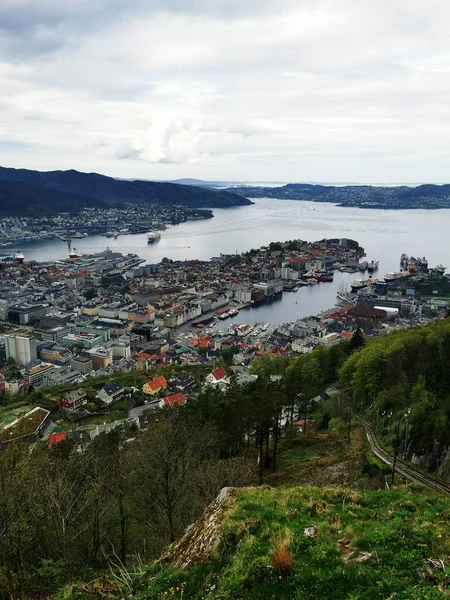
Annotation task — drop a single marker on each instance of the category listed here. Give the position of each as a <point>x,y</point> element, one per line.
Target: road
<point>401,467</point>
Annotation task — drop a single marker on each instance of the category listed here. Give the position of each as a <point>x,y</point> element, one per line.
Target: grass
<point>367,545</point>
<point>323,458</point>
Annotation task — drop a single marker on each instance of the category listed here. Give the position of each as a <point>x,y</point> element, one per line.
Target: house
<point>174,400</point>
<point>311,425</point>
<point>218,378</point>
<point>73,400</point>
<point>56,436</point>
<point>153,386</point>
<point>183,383</point>
<point>111,392</point>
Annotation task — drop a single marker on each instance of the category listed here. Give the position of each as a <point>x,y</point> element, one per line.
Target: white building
<point>22,348</point>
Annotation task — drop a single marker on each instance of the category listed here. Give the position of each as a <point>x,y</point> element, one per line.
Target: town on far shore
<point>100,341</point>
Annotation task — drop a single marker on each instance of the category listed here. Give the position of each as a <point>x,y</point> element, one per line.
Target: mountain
<point>92,188</point>
<point>427,196</point>
<point>21,199</point>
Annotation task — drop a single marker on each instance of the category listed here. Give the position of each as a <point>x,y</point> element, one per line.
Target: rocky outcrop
<point>202,537</point>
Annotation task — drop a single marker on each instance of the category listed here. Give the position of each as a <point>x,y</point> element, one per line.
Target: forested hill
<point>361,196</point>
<point>92,189</point>
<point>22,199</point>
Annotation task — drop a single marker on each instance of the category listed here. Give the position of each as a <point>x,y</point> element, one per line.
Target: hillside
<point>95,188</point>
<point>361,196</point>
<point>304,543</point>
<point>23,199</point>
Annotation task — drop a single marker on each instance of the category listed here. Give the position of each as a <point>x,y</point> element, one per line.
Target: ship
<point>323,276</point>
<point>78,235</point>
<point>153,236</point>
<point>224,315</point>
<point>233,312</point>
<point>395,276</point>
<point>372,266</point>
<point>19,257</point>
<point>440,269</point>
<point>75,254</point>
<point>362,283</point>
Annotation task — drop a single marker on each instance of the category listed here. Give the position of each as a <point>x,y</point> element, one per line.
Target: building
<point>177,399</point>
<point>101,358</point>
<point>35,375</point>
<point>73,400</point>
<point>218,378</point>
<point>155,385</point>
<point>25,314</point>
<point>121,350</point>
<point>56,436</point>
<point>55,333</point>
<point>61,376</point>
<point>82,364</point>
<point>28,427</point>
<point>20,347</point>
<point>55,354</point>
<point>111,392</point>
<point>83,339</point>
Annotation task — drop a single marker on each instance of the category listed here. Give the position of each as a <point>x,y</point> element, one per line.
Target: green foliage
<point>365,545</point>
<point>406,369</point>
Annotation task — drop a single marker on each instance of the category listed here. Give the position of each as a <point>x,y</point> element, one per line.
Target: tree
<point>357,339</point>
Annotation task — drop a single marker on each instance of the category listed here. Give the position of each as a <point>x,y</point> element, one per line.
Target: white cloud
<point>274,90</point>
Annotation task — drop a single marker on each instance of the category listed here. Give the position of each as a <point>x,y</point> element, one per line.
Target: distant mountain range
<point>427,196</point>
<point>35,193</point>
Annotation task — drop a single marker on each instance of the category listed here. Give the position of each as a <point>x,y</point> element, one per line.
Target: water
<point>385,235</point>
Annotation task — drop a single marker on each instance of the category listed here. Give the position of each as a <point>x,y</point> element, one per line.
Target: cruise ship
<point>153,236</point>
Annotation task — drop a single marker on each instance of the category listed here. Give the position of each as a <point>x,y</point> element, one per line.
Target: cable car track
<point>401,467</point>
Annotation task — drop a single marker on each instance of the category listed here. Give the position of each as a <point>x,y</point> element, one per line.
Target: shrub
<point>281,556</point>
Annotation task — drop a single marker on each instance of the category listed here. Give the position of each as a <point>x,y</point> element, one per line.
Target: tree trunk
<point>267,457</point>
<point>123,530</point>
<point>261,472</point>
<point>275,444</point>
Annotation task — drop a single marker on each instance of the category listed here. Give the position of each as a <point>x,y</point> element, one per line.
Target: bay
<point>385,235</point>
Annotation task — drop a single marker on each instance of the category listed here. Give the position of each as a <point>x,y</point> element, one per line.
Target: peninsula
<point>360,196</point>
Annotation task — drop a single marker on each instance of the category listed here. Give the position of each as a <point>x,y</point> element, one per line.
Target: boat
<point>440,269</point>
<point>75,254</point>
<point>153,236</point>
<point>312,281</point>
<point>233,312</point>
<point>19,257</point>
<point>308,275</point>
<point>359,284</point>
<point>323,276</point>
<point>422,263</point>
<point>395,276</point>
<point>372,266</point>
<point>224,315</point>
<point>77,235</point>
<point>5,244</point>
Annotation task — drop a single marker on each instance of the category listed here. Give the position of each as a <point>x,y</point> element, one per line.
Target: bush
<point>281,556</point>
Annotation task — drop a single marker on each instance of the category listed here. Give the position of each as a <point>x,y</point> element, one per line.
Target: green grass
<point>399,530</point>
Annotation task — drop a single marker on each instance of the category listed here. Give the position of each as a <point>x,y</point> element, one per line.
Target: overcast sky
<point>262,90</point>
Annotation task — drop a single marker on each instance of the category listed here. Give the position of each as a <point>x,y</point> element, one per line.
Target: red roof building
<point>174,400</point>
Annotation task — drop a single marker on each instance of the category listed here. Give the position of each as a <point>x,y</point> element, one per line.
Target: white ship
<point>153,236</point>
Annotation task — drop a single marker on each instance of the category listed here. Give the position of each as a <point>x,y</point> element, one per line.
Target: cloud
<point>230,89</point>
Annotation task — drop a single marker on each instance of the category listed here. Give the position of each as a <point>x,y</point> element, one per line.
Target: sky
<point>229,90</point>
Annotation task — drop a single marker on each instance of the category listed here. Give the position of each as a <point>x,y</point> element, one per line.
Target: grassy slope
<point>369,543</point>
<point>399,530</point>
